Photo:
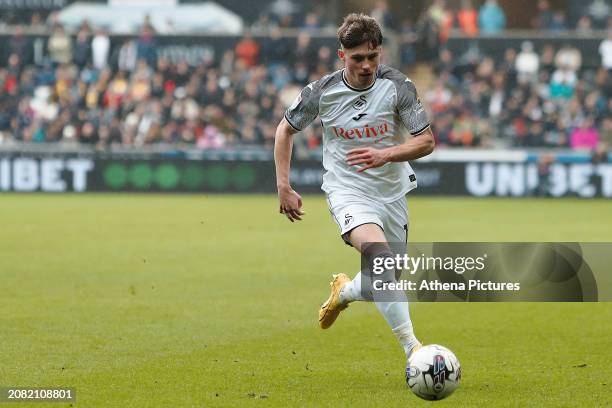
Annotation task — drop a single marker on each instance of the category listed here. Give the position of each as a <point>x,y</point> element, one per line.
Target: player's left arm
<point>413,116</point>
<point>414,148</point>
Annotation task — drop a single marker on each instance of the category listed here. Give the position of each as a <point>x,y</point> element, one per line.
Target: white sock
<point>405,335</point>
<point>397,315</point>
<point>351,292</point>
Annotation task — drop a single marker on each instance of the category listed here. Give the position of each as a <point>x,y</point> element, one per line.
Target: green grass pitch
<point>200,301</point>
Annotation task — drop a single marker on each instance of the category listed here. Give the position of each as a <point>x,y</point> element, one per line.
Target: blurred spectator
<point>436,11</point>
<point>304,52</point>
<point>467,17</point>
<point>545,162</point>
<point>311,23</point>
<point>383,14</point>
<point>60,46</point>
<point>569,57</point>
<point>491,18</point>
<point>12,73</point>
<point>544,17</point>
<point>283,12</point>
<point>82,48</point>
<point>464,130</point>
<point>547,59</point>
<point>88,134</point>
<point>439,97</point>
<point>430,29</point>
<point>20,45</point>
<point>36,20</point>
<point>324,61</point>
<point>527,63</point>
<point>446,65</point>
<point>605,50</point>
<point>497,97</point>
<point>263,24</point>
<point>600,11</point>
<point>147,25</point>
<point>128,56</point>
<point>585,136</point>
<point>100,47</point>
<point>275,50</point>
<point>606,131</point>
<point>52,20</point>
<point>427,32</point>
<point>247,50</point>
<point>600,155</point>
<point>584,25</point>
<point>146,46</point>
<point>442,18</point>
<point>558,22</point>
<point>408,40</point>
<point>211,138</point>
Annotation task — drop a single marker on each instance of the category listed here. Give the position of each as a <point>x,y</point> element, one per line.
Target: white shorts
<point>350,211</point>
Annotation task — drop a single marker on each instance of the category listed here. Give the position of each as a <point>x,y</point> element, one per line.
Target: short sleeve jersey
<point>369,117</point>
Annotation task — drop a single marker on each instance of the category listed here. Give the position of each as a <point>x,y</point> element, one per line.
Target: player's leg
<point>349,212</point>
<point>343,289</point>
<point>396,224</point>
<point>395,311</point>
<point>394,217</point>
<point>365,233</point>
<point>361,221</point>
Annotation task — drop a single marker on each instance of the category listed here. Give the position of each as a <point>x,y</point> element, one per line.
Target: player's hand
<point>290,203</point>
<point>368,156</point>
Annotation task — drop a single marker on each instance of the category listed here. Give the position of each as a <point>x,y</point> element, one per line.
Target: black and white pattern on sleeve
<point>303,110</point>
<point>411,109</point>
<point>305,107</point>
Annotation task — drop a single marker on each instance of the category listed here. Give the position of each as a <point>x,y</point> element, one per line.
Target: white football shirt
<point>370,117</point>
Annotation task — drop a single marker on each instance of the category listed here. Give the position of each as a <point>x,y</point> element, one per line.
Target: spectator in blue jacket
<point>491,18</point>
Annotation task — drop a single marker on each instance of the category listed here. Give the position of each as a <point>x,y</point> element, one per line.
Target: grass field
<point>199,301</point>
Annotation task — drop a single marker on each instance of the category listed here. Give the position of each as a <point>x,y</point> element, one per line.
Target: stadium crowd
<point>86,92</point>
<point>530,98</point>
<point>82,93</point>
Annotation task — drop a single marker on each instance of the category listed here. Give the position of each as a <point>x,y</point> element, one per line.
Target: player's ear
<point>341,54</point>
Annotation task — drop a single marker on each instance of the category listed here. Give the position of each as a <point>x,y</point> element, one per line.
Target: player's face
<point>360,64</point>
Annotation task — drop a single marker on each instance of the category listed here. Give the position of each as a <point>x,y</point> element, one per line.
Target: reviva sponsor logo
<point>361,132</point>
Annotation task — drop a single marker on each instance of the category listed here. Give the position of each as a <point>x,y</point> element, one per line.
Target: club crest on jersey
<point>362,132</point>
<point>360,102</point>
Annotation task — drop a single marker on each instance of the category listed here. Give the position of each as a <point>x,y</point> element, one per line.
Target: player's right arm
<point>298,116</point>
<point>290,201</point>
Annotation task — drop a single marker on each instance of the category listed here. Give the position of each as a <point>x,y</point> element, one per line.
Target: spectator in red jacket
<point>247,50</point>
<point>468,18</point>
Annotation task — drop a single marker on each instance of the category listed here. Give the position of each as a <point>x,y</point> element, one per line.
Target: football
<point>433,372</point>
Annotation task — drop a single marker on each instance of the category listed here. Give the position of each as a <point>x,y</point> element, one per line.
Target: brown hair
<point>357,29</point>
